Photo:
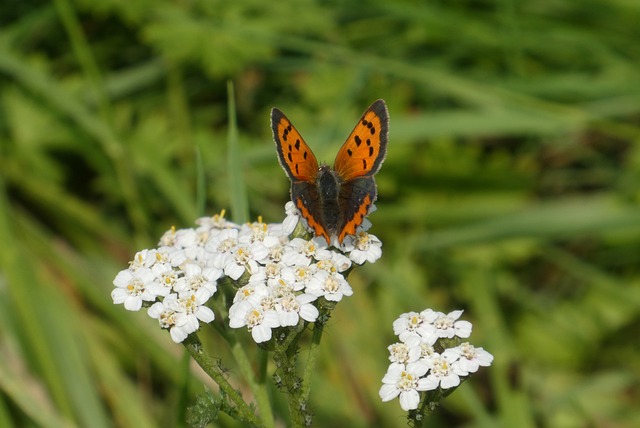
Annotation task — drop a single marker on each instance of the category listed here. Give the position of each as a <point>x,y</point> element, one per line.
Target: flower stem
<point>318,328</point>
<point>211,367</point>
<point>285,356</point>
<point>258,386</point>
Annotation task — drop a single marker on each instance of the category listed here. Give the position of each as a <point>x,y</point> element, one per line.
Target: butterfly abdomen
<point>328,185</point>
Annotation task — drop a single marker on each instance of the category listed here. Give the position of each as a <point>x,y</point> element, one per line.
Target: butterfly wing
<point>301,165</point>
<point>296,158</point>
<point>306,197</point>
<point>365,149</point>
<point>357,161</point>
<point>355,199</point>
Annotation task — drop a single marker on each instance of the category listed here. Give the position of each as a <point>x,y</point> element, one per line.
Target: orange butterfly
<point>334,201</point>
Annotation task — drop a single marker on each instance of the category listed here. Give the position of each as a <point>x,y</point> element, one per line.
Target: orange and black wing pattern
<point>295,156</point>
<point>366,147</point>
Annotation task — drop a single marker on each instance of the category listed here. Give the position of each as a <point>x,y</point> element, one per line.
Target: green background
<point>511,189</point>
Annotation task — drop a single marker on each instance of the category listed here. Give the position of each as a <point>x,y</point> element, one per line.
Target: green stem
<point>258,387</point>
<point>314,351</point>
<point>83,53</point>
<point>285,356</point>
<point>211,368</point>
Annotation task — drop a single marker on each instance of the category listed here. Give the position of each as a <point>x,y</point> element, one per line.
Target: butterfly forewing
<point>295,156</point>
<point>365,148</point>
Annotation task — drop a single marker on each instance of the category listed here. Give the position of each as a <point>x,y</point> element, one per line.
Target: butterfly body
<point>334,200</point>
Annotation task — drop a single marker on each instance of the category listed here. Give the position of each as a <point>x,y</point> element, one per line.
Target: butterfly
<point>334,200</point>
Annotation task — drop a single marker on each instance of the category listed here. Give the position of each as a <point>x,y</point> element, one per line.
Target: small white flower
<point>236,258</point>
<point>165,313</point>
<point>315,248</point>
<point>170,255</point>
<point>298,277</point>
<point>337,263</point>
<point>166,278</point>
<point>447,326</point>
<point>291,308</point>
<point>292,256</point>
<point>331,286</point>
<point>223,242</point>
<point>405,382</point>
<point>276,252</point>
<point>168,239</point>
<point>144,258</point>
<point>366,248</point>
<point>246,298</point>
<point>216,222</point>
<point>185,238</point>
<point>416,325</point>
<point>196,278</point>
<point>132,287</point>
<point>291,220</point>
<point>253,232</point>
<point>426,351</point>
<point>259,322</point>
<point>404,354</point>
<point>191,310</point>
<point>469,357</point>
<point>444,372</point>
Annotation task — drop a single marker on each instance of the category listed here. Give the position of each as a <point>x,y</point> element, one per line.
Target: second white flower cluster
<point>282,278</point>
<point>415,363</point>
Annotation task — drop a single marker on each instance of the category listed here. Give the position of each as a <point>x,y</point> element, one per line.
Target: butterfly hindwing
<point>307,199</point>
<point>366,147</point>
<point>355,200</point>
<point>295,156</point>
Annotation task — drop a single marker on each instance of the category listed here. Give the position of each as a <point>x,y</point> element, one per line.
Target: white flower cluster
<point>415,364</point>
<point>282,277</point>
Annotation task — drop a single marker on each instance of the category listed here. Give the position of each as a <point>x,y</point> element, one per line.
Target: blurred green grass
<point>511,189</point>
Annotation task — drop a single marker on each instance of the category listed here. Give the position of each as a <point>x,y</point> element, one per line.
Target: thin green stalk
<point>314,351</point>
<point>83,52</point>
<point>258,387</point>
<point>285,356</point>
<point>212,369</point>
